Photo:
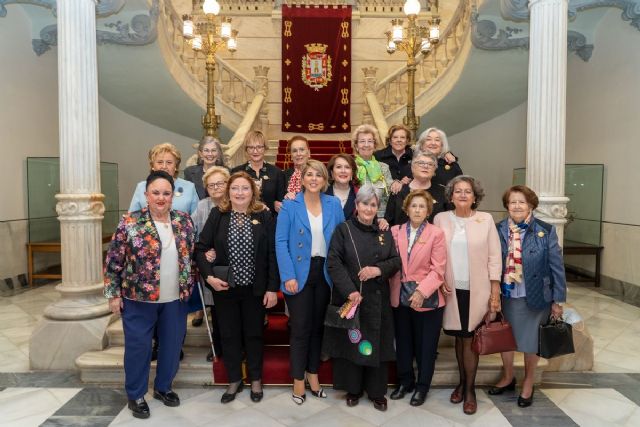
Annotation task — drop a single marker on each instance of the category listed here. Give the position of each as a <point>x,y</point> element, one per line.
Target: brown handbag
<point>493,337</point>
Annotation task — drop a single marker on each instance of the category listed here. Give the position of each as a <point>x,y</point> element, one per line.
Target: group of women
<point>392,235</point>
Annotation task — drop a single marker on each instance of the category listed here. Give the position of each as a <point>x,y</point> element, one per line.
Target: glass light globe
<point>425,46</point>
<point>196,42</point>
<point>211,7</point>
<point>396,33</point>
<point>225,30</point>
<point>187,28</point>
<point>232,45</point>
<point>391,47</point>
<point>411,7</point>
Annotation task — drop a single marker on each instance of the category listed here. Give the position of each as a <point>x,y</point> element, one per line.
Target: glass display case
<point>583,185</point>
<point>43,183</point>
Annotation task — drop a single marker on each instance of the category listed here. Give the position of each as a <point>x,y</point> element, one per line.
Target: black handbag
<point>408,288</point>
<point>555,339</point>
<point>332,317</point>
<point>224,272</point>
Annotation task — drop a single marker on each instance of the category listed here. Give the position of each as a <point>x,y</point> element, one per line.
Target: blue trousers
<point>139,319</point>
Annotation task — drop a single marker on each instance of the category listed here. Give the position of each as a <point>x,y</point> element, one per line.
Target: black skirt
<point>463,309</point>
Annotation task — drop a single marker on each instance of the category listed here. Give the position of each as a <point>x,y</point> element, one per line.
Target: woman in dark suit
<point>343,183</point>
<point>241,232</point>
<point>148,279</point>
<point>361,260</point>
<point>533,284</point>
<point>209,154</point>
<point>303,233</point>
<point>269,178</point>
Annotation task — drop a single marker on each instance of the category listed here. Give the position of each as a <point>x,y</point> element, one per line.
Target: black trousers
<point>417,336</point>
<point>356,379</point>
<point>306,320</point>
<point>241,317</point>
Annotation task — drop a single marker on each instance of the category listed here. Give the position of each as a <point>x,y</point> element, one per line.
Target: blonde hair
<point>215,169</point>
<point>317,166</point>
<point>365,129</point>
<point>163,148</point>
<point>254,135</point>
<point>255,205</point>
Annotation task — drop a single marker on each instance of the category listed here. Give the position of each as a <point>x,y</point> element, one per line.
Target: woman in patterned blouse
<point>243,277</point>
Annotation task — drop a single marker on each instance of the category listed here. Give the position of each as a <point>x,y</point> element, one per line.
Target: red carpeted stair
<point>320,150</point>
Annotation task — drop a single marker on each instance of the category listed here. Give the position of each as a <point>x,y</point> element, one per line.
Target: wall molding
<point>103,7</point>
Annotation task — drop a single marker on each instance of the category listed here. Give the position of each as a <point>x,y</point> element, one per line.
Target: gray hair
<point>476,187</point>
<point>441,134</point>
<point>419,153</point>
<point>366,193</point>
<point>208,139</point>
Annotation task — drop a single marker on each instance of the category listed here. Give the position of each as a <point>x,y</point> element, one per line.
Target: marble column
<point>546,115</point>
<point>77,322</point>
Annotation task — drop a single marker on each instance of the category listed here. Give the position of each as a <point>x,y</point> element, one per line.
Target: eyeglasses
<point>461,192</point>
<point>214,185</point>
<point>210,151</point>
<point>255,148</point>
<point>427,165</point>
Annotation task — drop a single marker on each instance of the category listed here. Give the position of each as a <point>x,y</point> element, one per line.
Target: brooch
<point>266,177</point>
<point>541,234</point>
<point>179,192</point>
<point>255,222</point>
<point>381,239</point>
<point>447,167</point>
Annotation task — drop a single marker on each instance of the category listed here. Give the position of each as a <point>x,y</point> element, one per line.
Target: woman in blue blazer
<point>303,234</point>
<point>533,283</point>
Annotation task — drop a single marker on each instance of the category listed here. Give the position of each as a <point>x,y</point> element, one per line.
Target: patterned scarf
<point>369,170</point>
<point>513,264</point>
<point>295,182</point>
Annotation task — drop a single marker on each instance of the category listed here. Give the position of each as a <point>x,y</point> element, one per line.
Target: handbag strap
<point>357,258</point>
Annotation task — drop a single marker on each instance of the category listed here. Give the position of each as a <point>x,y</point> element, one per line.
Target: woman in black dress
<point>343,183</point>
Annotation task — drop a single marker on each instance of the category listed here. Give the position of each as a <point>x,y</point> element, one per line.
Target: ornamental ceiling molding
<point>485,35</point>
<point>518,10</point>
<point>103,8</point>
<point>142,30</point>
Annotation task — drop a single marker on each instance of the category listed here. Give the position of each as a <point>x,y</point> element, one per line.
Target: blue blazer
<point>542,263</point>
<point>185,197</point>
<point>293,237</point>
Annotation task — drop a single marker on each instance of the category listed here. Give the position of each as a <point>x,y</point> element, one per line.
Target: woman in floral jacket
<point>148,278</point>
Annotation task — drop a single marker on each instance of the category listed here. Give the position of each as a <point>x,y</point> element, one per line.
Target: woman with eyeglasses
<point>423,168</point>
<point>269,179</point>
<point>298,149</point>
<point>209,154</point>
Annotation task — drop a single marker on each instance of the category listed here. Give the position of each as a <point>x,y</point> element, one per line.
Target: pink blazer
<point>485,264</point>
<point>426,265</point>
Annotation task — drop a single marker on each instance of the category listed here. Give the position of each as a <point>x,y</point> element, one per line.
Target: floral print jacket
<point>132,267</point>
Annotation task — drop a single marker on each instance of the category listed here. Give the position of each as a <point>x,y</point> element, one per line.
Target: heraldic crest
<point>316,66</point>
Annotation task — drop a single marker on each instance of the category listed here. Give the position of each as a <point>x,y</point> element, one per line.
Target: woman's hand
<point>290,195</point>
<point>556,311</point>
<point>210,255</point>
<point>291,286</point>
<point>449,158</point>
<point>417,299</point>
<point>277,205</point>
<point>494,303</point>
<point>446,291</point>
<point>270,299</point>
<point>355,297</point>
<point>368,273</point>
<point>116,305</point>
<point>217,284</point>
<point>406,180</point>
<point>383,225</point>
<point>396,186</point>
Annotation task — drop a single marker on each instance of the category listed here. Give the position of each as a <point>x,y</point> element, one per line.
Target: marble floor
<point>607,396</point>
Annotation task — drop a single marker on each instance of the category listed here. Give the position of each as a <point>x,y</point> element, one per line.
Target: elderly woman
<point>244,276</point>
<point>209,154</point>
<point>423,252</point>
<point>166,157</point>
<point>472,277</point>
<point>435,141</point>
<point>365,140</point>
<point>147,279</point>
<point>423,168</point>
<point>397,155</point>
<point>361,260</point>
<point>343,183</point>
<point>533,284</point>
<point>304,229</point>
<point>298,149</point>
<point>269,179</point>
<point>215,181</point>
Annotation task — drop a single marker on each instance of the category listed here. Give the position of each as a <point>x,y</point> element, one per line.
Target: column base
<point>56,344</point>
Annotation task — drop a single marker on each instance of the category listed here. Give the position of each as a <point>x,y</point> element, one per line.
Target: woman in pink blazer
<point>423,252</point>
<point>472,277</point>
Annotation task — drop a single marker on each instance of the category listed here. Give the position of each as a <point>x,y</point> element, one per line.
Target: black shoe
<point>525,402</point>
<point>353,399</point>
<point>256,396</point>
<point>400,392</point>
<point>320,394</point>
<point>494,391</point>
<point>139,408</point>
<point>210,356</point>
<point>418,398</point>
<point>230,396</point>
<point>298,400</point>
<point>380,403</point>
<point>197,321</point>
<point>169,398</point>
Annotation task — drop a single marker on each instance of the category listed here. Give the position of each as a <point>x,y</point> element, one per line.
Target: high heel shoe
<point>230,396</point>
<point>298,400</point>
<point>319,394</point>
<point>496,390</point>
<point>524,402</point>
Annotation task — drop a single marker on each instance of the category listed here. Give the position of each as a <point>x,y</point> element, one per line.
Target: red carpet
<point>320,150</point>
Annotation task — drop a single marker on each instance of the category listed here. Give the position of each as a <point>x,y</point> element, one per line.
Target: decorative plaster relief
<point>103,8</point>
<point>485,35</point>
<point>142,30</point>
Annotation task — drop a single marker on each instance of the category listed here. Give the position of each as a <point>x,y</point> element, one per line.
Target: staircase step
<point>196,337</point>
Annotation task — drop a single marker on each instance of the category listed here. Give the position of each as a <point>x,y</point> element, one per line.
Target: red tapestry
<point>316,69</point>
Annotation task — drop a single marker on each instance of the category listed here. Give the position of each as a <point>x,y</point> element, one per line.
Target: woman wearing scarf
<point>298,149</point>
<point>365,141</point>
<point>533,283</point>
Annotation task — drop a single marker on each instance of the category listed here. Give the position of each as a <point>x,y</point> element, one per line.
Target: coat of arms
<point>316,66</point>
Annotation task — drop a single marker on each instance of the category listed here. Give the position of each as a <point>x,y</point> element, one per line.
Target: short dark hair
<point>347,158</point>
<point>530,196</point>
<point>156,175</point>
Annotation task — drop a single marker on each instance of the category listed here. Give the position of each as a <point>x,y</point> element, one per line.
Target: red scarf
<point>295,183</point>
